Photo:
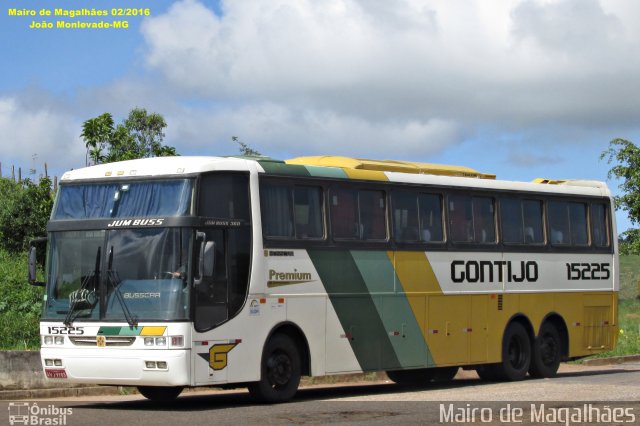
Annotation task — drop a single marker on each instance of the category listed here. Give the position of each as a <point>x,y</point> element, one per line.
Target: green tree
<point>245,150</point>
<point>625,157</point>
<point>98,134</point>
<point>24,212</point>
<point>140,135</point>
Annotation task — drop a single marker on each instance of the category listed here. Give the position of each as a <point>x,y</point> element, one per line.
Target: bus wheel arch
<point>281,365</point>
<point>160,393</point>
<point>549,347</point>
<point>297,335</point>
<point>516,352</point>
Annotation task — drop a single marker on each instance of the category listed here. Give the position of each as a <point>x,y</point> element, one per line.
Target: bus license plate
<point>55,373</point>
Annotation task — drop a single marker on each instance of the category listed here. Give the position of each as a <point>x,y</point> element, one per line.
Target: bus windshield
<point>128,199</point>
<point>125,274</point>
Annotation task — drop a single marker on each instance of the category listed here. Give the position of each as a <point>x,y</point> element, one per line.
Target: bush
<point>24,212</point>
<point>20,305</point>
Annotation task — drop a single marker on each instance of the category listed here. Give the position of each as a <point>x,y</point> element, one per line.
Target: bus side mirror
<point>206,258</point>
<point>209,258</point>
<point>33,261</point>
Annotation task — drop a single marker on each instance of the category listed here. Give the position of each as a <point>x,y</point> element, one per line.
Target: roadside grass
<point>629,277</point>
<point>20,305</point>
<point>628,309</point>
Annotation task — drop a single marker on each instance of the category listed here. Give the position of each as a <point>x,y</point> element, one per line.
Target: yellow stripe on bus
<point>152,331</point>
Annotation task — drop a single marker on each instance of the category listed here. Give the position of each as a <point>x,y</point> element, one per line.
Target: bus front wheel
<point>516,353</point>
<point>280,371</point>
<point>160,393</point>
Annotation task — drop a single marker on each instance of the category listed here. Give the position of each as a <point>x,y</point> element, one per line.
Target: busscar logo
<point>141,295</point>
<point>135,222</point>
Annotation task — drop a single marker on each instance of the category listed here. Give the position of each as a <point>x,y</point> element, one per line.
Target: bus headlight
<point>59,340</point>
<point>48,340</point>
<point>155,341</point>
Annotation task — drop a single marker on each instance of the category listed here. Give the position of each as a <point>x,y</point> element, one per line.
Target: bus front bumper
<point>118,367</point>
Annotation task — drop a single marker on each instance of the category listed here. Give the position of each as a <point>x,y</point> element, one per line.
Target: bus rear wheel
<point>280,371</point>
<point>546,353</point>
<point>160,393</point>
<point>516,356</point>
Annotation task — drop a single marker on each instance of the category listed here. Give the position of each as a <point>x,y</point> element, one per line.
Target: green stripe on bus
<point>394,309</point>
<point>119,331</point>
<point>328,172</point>
<point>281,168</point>
<point>355,308</point>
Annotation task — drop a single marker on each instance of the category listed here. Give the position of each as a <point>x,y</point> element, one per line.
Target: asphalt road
<point>602,395</point>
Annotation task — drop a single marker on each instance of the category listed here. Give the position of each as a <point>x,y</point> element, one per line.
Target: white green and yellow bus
<point>177,272</point>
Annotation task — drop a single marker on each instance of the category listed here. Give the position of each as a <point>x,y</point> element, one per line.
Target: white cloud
<point>423,74</point>
<point>29,129</point>
<point>272,128</point>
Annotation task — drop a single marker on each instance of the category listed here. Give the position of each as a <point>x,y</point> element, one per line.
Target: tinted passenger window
<point>521,221</point>
<point>291,212</point>
<point>344,214</point>
<point>358,214</point>
<point>471,219</point>
<point>600,227</point>
<point>275,202</point>
<point>224,196</point>
<point>417,217</point>
<point>307,208</point>
<point>568,223</point>
<point>405,217</point>
<point>431,218</point>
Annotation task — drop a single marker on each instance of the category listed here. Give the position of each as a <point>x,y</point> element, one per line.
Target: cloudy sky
<point>518,88</point>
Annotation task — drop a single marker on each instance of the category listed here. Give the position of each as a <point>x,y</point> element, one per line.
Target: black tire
<point>489,372</point>
<point>546,353</point>
<point>160,393</point>
<point>422,376</point>
<point>408,377</point>
<point>280,371</point>
<point>516,353</point>
<point>443,374</point>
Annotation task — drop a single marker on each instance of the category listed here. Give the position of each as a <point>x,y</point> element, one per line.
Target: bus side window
<point>578,223</point>
<point>372,215</point>
<point>460,218</point>
<point>344,218</point>
<point>558,222</point>
<point>511,220</point>
<point>533,225</point>
<point>521,221</point>
<point>224,196</point>
<point>431,217</point>
<point>484,223</point>
<point>599,225</point>
<point>275,202</point>
<point>405,216</point>
<point>307,204</point>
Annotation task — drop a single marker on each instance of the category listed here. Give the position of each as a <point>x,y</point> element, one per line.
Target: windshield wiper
<point>114,280</point>
<point>83,298</point>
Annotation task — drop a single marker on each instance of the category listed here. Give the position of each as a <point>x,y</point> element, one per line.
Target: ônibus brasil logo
<point>28,413</point>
